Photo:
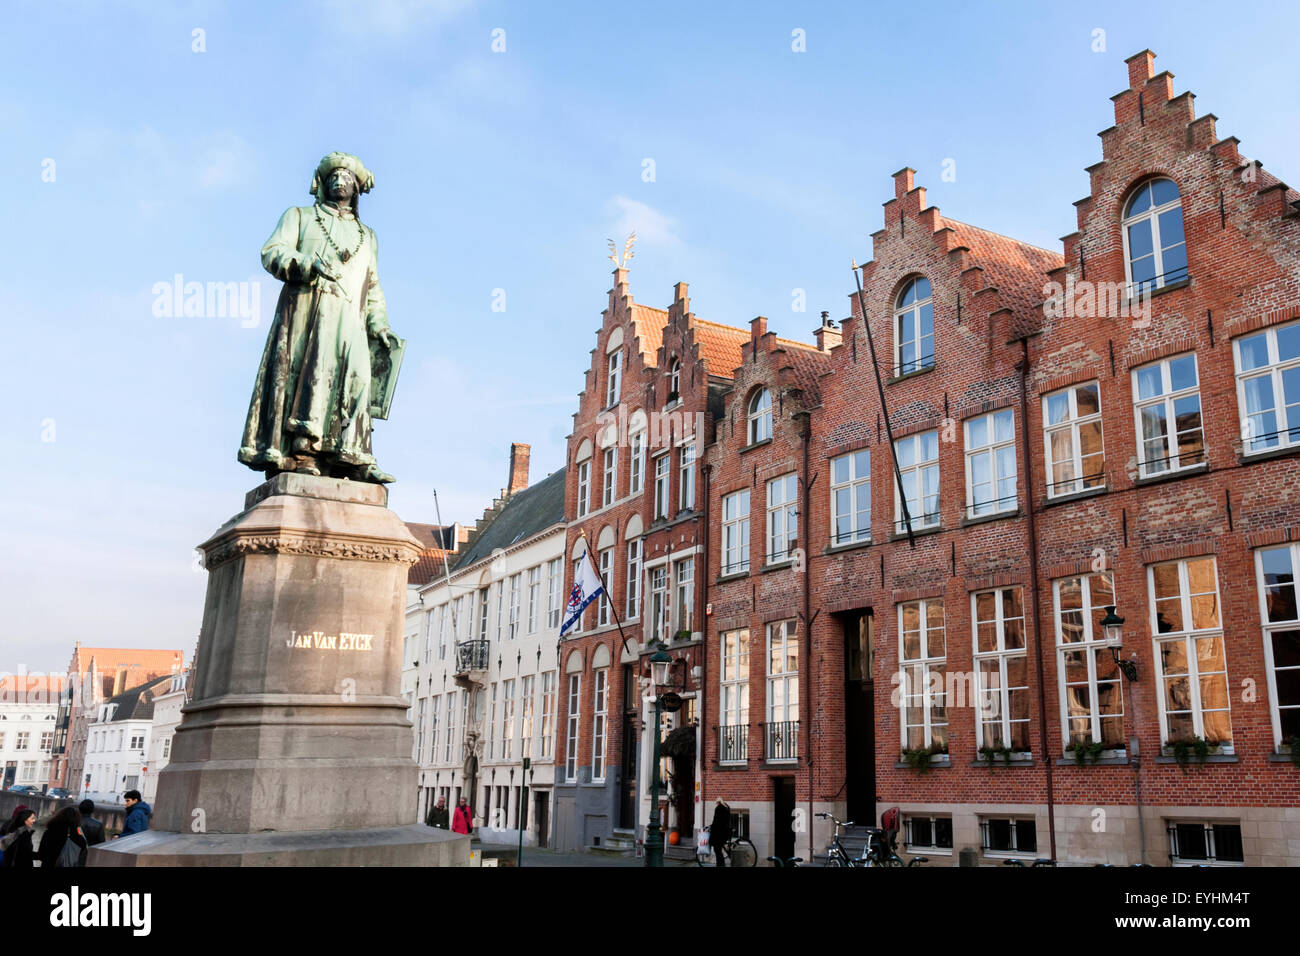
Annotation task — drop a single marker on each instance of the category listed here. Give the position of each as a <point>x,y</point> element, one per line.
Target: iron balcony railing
<point>734,740</point>
<point>783,740</point>
<point>471,656</point>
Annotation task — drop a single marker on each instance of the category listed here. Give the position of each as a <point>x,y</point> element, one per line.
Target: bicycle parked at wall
<point>738,850</point>
<point>879,850</point>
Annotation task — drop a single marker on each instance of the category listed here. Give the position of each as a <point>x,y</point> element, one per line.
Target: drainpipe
<point>702,600</point>
<point>1033,588</point>
<point>805,434</point>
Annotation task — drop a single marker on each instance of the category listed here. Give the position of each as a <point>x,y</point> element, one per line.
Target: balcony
<point>783,740</point>
<point>471,656</point>
<point>733,743</point>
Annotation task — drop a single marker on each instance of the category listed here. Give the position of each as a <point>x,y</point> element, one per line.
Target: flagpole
<point>604,586</point>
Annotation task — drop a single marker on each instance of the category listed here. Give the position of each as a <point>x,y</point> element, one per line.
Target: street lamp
<point>660,667</point>
<point>1113,625</point>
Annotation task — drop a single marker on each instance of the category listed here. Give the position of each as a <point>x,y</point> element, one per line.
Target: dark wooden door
<point>783,800</point>
<point>859,717</point>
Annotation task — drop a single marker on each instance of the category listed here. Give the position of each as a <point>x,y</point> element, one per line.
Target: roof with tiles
<point>439,543</point>
<point>136,703</point>
<point>525,514</point>
<point>720,345</point>
<point>649,323</point>
<point>1016,269</point>
<point>807,365</point>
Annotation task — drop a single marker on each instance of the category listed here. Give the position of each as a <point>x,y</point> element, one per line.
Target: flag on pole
<point>587,586</point>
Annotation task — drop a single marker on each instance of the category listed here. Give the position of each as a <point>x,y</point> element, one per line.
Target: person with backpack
<point>92,828</point>
<point>17,841</point>
<point>62,845</point>
<point>137,814</point>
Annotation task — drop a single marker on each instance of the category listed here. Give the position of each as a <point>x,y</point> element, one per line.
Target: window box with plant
<point>922,758</point>
<point>991,755</point>
<point>1085,752</point>
<point>1187,750</point>
<point>1292,744</point>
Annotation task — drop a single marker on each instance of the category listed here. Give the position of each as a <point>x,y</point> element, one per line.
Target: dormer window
<point>1155,249</point>
<point>674,381</point>
<point>914,328</point>
<point>760,416</point>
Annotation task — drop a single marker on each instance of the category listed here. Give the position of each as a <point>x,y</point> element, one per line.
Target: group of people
<point>462,818</point>
<point>69,833</point>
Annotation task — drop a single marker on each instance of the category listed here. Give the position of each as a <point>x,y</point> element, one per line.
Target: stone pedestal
<point>295,747</point>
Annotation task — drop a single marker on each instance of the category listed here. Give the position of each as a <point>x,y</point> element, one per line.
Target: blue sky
<point>494,170</point>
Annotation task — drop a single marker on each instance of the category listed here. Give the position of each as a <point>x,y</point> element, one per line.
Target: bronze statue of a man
<point>330,359</point>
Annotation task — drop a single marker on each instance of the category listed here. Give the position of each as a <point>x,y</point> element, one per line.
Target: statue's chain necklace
<point>343,254</point>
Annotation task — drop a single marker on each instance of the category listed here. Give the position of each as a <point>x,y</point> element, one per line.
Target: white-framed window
<point>686,477</point>
<point>584,487</point>
<point>609,477</point>
<point>782,691</point>
<point>603,605</point>
<point>430,629</point>
<point>435,705</point>
<point>1277,569</point>
<point>733,740</point>
<point>735,532</point>
<point>914,328</point>
<point>929,833</point>
<point>1191,665</point>
<point>507,719</point>
<point>684,605</point>
<point>782,517</point>
<point>674,382</point>
<point>760,416</point>
<point>483,611</point>
<point>516,594</point>
<point>1002,668</point>
<point>1268,387</point>
<point>47,739</point>
<point>636,443</point>
<point>1155,250</point>
<point>663,472</point>
<point>922,655</point>
<point>167,748</point>
<point>658,603</point>
<point>1072,434</point>
<point>547,732</point>
<point>571,737</point>
<point>449,750</point>
<point>1009,835</point>
<point>1167,410</point>
<point>502,613</point>
<point>1197,842</point>
<point>990,463</point>
<point>23,739</point>
<point>421,719</point>
<point>851,497</point>
<point>614,378</point>
<point>555,591</point>
<point>599,719</point>
<point>534,596</point>
<point>528,684</point>
<point>918,463</point>
<point>1091,691</point>
<point>633,578</point>
<point>492,724</point>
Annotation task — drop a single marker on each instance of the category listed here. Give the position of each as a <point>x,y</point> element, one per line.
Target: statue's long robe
<point>314,379</point>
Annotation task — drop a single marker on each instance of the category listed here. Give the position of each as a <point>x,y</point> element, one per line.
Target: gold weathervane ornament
<point>627,251</point>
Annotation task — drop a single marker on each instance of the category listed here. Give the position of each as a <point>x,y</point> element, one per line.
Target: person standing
<point>720,831</point>
<point>438,815</point>
<point>17,841</point>
<point>62,843</point>
<point>92,828</point>
<point>137,814</point>
<point>462,820</point>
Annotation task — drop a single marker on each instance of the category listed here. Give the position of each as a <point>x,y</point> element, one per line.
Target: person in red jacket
<point>462,820</point>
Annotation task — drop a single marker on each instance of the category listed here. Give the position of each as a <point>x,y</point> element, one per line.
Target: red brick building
<point>1117,427</point>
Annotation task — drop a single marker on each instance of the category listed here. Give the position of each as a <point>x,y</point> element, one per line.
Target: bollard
<point>968,857</point>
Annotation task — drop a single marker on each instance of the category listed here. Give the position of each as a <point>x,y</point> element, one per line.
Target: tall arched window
<point>1154,247</point>
<point>674,380</point>
<point>760,416</point>
<point>914,328</point>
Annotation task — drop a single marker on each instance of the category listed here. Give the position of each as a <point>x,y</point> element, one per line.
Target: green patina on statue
<point>331,361</point>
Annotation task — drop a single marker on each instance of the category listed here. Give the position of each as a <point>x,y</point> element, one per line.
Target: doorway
<point>783,817</point>
<point>541,802</point>
<point>859,714</point>
<point>627,796</point>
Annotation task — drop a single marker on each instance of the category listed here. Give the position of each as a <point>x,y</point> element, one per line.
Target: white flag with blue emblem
<point>587,586</point>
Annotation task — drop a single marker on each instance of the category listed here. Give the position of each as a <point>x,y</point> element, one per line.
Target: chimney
<point>828,336</point>
<point>519,453</point>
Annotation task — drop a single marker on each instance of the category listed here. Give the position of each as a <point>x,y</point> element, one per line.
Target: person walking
<point>720,831</point>
<point>62,843</point>
<point>462,821</point>
<point>17,841</point>
<point>438,815</point>
<point>92,828</point>
<point>137,814</point>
